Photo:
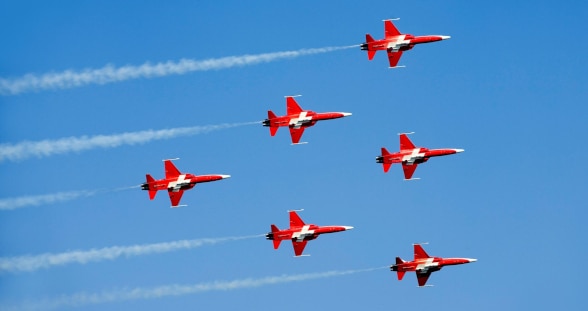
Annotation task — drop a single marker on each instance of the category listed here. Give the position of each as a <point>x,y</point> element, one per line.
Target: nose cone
<point>347,227</point>
<point>225,176</point>
<point>458,150</point>
<point>346,114</point>
<point>472,259</point>
<point>445,37</point>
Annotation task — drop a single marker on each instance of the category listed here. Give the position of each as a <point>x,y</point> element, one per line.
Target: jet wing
<point>394,57</point>
<point>299,247</point>
<point>419,252</point>
<point>390,30</point>
<point>292,106</point>
<point>170,170</point>
<point>423,277</point>
<point>408,170</point>
<point>296,134</point>
<point>295,220</point>
<point>175,197</point>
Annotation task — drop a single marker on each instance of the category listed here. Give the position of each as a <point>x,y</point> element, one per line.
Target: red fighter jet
<point>297,119</point>
<point>175,182</point>
<point>300,233</point>
<point>410,156</point>
<point>395,43</point>
<point>424,265</point>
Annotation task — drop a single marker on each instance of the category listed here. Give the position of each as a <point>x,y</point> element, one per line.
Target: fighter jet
<point>175,182</point>
<point>300,233</point>
<point>394,43</point>
<point>410,156</point>
<point>424,265</point>
<point>297,119</point>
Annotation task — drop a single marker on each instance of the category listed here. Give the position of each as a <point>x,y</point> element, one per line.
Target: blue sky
<point>509,87</point>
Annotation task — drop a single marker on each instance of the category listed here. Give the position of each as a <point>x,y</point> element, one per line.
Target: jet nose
<point>348,227</point>
<point>472,259</point>
<point>445,37</point>
<point>346,114</point>
<point>458,150</point>
<point>225,176</point>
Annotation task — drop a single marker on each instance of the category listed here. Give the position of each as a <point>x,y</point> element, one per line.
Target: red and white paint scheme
<point>300,233</point>
<point>424,265</point>
<point>410,156</point>
<point>175,182</point>
<point>298,119</point>
<point>394,43</point>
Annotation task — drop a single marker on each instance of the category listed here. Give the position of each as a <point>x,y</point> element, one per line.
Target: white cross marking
<point>304,232</point>
<point>302,118</point>
<point>423,267</point>
<point>177,185</point>
<point>415,154</point>
<point>400,42</point>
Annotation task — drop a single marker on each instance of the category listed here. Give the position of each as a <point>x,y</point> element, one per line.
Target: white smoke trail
<point>83,298</point>
<point>110,74</point>
<point>35,200</point>
<point>47,260</point>
<point>48,147</point>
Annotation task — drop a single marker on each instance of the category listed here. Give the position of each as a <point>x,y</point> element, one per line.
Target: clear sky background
<point>509,87</point>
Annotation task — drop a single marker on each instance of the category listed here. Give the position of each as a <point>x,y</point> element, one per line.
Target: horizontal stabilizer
<point>277,243</point>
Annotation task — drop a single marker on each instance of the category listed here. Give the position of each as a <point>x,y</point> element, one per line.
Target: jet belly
<point>427,265</point>
<point>302,119</point>
<point>413,157</point>
<point>397,44</point>
<point>179,183</point>
<point>304,234</point>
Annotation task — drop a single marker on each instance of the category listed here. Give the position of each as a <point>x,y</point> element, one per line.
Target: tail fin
<point>385,164</point>
<point>152,192</point>
<point>276,241</point>
<point>368,40</point>
<point>273,129</point>
<point>400,273</point>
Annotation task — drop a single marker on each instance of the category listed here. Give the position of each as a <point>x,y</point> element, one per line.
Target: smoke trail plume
<point>47,260</point>
<point>35,200</point>
<point>111,74</point>
<point>83,298</point>
<point>45,148</point>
